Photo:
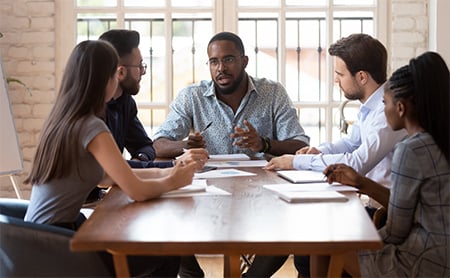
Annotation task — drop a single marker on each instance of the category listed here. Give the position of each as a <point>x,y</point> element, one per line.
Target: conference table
<point>250,220</point>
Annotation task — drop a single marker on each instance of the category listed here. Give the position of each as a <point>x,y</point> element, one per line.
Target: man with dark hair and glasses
<point>232,113</point>
<point>121,112</point>
<point>248,115</point>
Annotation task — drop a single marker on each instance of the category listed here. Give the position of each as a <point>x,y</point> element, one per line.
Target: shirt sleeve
<point>287,124</point>
<point>369,142</point>
<point>179,120</point>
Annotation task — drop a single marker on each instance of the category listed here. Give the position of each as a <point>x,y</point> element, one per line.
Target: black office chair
<point>30,250</point>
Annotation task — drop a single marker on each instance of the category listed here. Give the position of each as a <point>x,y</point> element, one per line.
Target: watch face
<point>142,157</point>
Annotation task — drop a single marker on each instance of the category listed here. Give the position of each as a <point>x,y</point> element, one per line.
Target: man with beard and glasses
<point>121,112</point>
<point>247,115</point>
<point>243,115</point>
<point>360,63</point>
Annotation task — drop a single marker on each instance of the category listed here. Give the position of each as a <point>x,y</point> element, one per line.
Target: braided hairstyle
<point>425,82</point>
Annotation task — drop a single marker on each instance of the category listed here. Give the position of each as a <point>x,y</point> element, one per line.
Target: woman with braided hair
<point>417,233</point>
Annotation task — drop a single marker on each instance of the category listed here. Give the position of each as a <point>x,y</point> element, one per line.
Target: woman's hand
<point>199,156</point>
<point>181,175</point>
<point>343,174</point>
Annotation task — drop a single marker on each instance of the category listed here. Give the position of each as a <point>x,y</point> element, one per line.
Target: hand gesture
<point>196,140</point>
<point>247,138</point>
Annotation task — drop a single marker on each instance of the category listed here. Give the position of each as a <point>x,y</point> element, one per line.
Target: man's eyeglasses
<point>142,67</point>
<point>227,61</point>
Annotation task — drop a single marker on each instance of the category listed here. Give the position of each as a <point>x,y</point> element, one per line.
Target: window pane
<point>96,3</point>
<point>259,3</point>
<point>313,122</point>
<point>91,26</point>
<point>192,3</point>
<point>140,3</point>
<point>151,118</point>
<point>260,42</point>
<point>189,43</point>
<point>346,23</point>
<point>306,2</point>
<point>354,2</point>
<point>306,57</point>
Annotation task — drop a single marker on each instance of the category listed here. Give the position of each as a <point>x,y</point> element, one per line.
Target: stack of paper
<point>310,196</point>
<point>229,157</point>
<point>310,192</point>
<point>302,176</point>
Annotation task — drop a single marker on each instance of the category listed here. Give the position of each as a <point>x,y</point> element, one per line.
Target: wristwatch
<point>142,157</point>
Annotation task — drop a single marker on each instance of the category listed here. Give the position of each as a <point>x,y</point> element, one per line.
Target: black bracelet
<point>267,146</point>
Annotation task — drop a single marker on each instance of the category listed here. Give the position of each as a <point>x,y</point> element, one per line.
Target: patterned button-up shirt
<point>266,106</point>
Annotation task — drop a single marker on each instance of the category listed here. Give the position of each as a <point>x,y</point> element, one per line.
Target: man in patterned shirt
<point>232,113</point>
<point>247,115</point>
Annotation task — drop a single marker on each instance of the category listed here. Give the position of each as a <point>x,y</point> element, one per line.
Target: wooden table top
<point>251,220</point>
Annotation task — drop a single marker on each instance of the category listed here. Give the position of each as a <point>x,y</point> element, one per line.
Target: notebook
<point>311,196</point>
<point>302,176</point>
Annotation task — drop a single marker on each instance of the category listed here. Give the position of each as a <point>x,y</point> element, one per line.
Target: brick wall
<point>28,51</point>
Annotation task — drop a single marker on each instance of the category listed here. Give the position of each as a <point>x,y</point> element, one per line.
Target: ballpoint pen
<point>206,127</point>
<point>326,165</point>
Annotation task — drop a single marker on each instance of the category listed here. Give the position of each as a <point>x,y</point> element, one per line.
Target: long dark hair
<point>82,93</point>
<point>426,81</point>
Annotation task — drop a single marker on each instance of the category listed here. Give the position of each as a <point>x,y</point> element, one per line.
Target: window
<point>286,40</point>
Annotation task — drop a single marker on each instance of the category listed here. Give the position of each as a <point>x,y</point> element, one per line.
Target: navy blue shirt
<point>129,133</point>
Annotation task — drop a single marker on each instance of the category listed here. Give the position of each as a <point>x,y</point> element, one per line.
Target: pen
<point>207,126</point>
<point>326,165</point>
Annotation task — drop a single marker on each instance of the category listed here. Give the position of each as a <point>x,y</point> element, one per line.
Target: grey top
<point>266,106</point>
<point>418,224</point>
<point>60,200</point>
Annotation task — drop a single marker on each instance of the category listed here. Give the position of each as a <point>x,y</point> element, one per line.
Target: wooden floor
<point>212,265</point>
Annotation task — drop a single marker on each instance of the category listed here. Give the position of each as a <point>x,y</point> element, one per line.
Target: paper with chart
<point>222,173</point>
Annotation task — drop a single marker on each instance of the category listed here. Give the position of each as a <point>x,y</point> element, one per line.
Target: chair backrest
<point>30,249</point>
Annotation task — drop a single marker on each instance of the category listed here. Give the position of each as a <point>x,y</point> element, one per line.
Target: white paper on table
<point>222,173</point>
<point>210,191</point>
<point>229,157</point>
<point>299,187</point>
<point>311,196</point>
<point>237,163</point>
<point>196,186</point>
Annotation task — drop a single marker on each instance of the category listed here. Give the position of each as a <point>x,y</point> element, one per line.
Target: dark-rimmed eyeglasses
<point>226,61</point>
<point>142,67</point>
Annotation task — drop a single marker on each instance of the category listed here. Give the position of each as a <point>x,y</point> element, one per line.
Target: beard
<point>354,93</point>
<point>231,88</point>
<point>130,86</point>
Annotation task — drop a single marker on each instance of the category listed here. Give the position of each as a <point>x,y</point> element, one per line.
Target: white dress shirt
<point>368,149</point>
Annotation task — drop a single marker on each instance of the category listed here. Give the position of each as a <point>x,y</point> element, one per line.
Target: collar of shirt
<point>372,103</point>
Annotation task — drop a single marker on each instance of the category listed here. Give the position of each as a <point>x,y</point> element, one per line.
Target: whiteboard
<point>10,154</point>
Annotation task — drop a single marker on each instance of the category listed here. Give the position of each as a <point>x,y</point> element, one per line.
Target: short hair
<point>228,36</point>
<point>123,40</point>
<point>362,52</point>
